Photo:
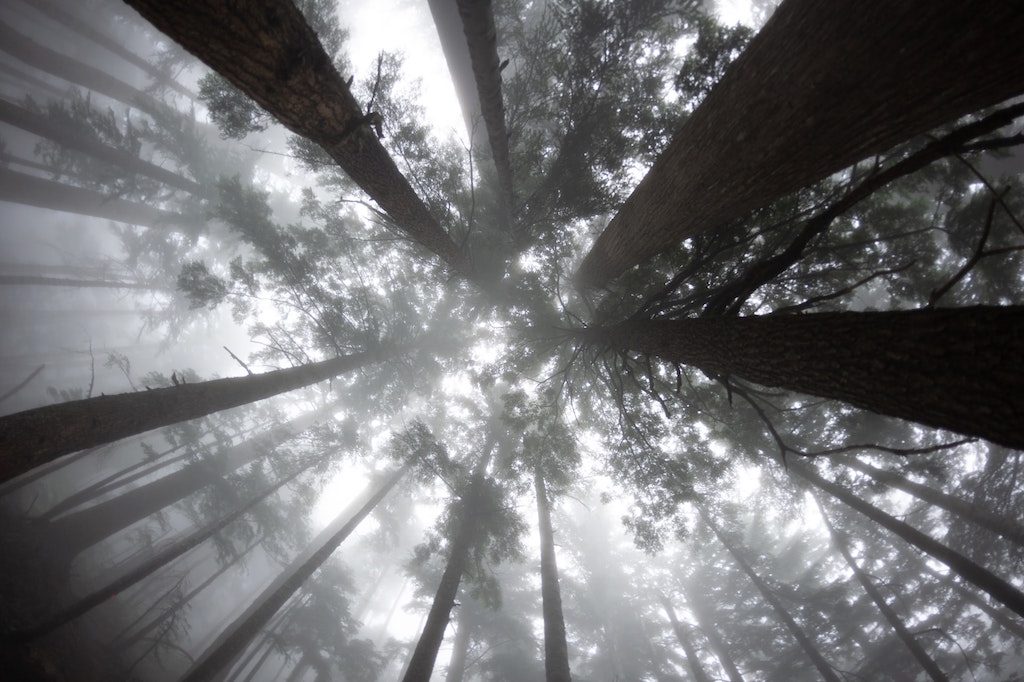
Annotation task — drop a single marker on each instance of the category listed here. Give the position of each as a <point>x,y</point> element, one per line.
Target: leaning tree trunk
<point>823,666</point>
<point>823,85</point>
<point>699,674</point>
<point>233,640</point>
<point>905,635</point>
<point>32,437</point>
<point>266,49</point>
<point>1003,526</point>
<point>969,570</point>
<point>710,629</point>
<point>954,368</point>
<point>556,651</point>
<point>421,664</point>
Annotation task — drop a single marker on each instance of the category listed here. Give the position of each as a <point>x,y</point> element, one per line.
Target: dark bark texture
<point>823,85</point>
<point>32,437</point>
<point>266,49</point>
<point>960,369</point>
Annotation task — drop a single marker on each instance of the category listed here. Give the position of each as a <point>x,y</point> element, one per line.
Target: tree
<point>819,88</point>
<point>699,674</point>
<point>945,367</point>
<point>32,437</point>
<point>556,651</point>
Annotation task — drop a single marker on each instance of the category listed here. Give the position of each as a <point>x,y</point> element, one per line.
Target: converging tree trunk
<point>233,640</point>
<point>556,651</point>
<point>32,437</point>
<point>710,629</point>
<point>960,369</point>
<point>268,51</point>
<point>699,674</point>
<point>1003,526</point>
<point>823,85</point>
<point>969,570</point>
<point>808,646</point>
<point>927,662</point>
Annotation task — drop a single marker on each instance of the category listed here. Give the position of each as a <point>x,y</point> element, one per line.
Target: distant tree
<point>692,660</point>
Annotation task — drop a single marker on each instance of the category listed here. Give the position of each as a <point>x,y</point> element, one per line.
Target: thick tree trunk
<point>823,667</point>
<point>556,651</point>
<point>966,568</point>
<point>1003,526</point>
<point>31,190</point>
<point>233,640</point>
<point>150,565</point>
<point>823,85</point>
<point>707,625</point>
<point>927,662</point>
<point>266,49</point>
<point>699,674</point>
<point>421,664</point>
<point>39,124</point>
<point>32,437</point>
<point>960,369</point>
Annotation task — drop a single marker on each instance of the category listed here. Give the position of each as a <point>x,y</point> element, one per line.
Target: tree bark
<point>460,648</point>
<point>969,570</point>
<point>1003,526</point>
<point>699,674</point>
<point>266,49</point>
<point>233,640</point>
<point>953,368</point>
<point>823,666</point>
<point>926,662</point>
<point>556,651</point>
<point>823,85</point>
<point>32,437</point>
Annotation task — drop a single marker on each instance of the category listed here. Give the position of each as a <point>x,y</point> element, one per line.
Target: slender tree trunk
<point>997,615</point>
<point>1003,526</point>
<point>421,665</point>
<point>953,368</point>
<point>29,280</point>
<point>556,651</point>
<point>823,85</point>
<point>699,674</point>
<point>967,569</point>
<point>460,647</point>
<point>707,625</point>
<point>926,662</point>
<point>823,666</point>
<point>151,565</point>
<point>232,641</point>
<point>32,437</point>
<point>268,51</point>
<point>30,190</point>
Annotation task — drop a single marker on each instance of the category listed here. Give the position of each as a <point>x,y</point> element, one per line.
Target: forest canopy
<point>686,349</point>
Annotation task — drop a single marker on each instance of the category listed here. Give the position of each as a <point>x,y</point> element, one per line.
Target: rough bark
<point>266,49</point>
<point>31,190</point>
<point>823,85</point>
<point>32,437</point>
<point>823,667</point>
<point>556,651</point>
<point>233,640</point>
<point>960,369</point>
<point>969,570</point>
<point>1003,526</point>
<point>926,662</point>
<point>697,670</point>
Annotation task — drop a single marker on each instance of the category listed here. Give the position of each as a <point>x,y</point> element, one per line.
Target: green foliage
<point>716,47</point>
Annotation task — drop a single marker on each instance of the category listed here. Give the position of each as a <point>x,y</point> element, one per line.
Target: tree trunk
<point>823,85</point>
<point>927,662</point>
<point>421,664</point>
<point>967,569</point>
<point>699,675</point>
<point>39,124</point>
<point>266,49</point>
<point>30,190</point>
<point>32,437</point>
<point>232,641</point>
<point>460,647</point>
<point>151,565</point>
<point>1000,525</point>
<point>823,666</point>
<point>556,651</point>
<point>31,280</point>
<point>960,369</point>
<point>709,628</point>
